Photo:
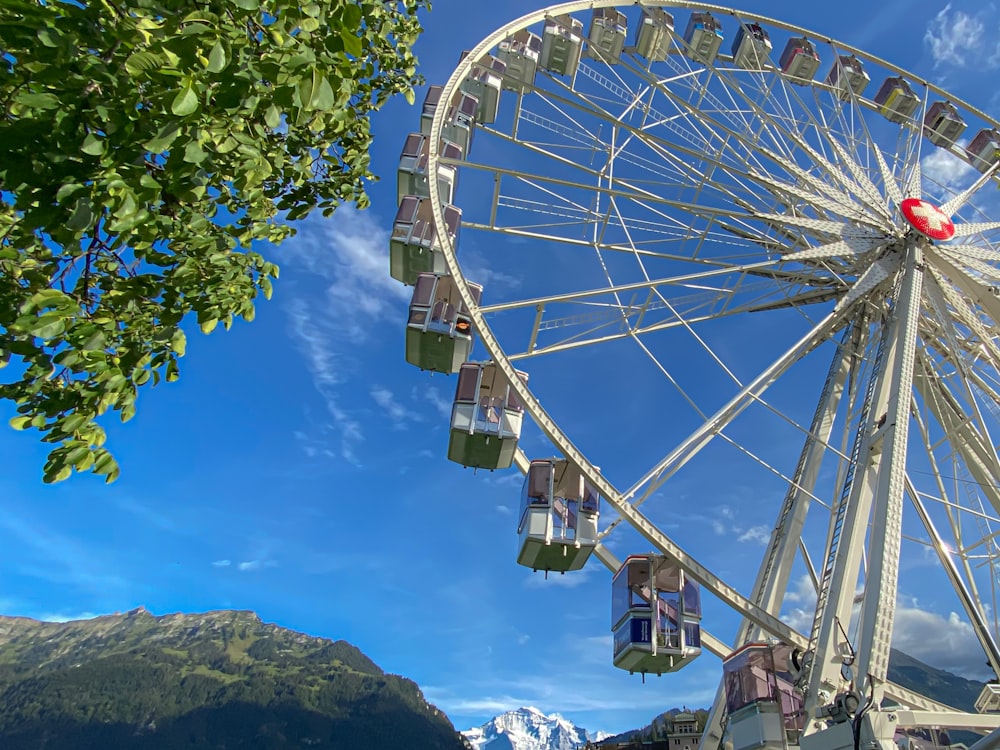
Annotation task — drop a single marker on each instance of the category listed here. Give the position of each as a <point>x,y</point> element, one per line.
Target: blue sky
<point>298,467</point>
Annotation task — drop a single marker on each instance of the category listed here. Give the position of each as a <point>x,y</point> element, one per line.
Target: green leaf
<point>186,101</point>
<point>67,190</point>
<point>194,153</point>
<point>323,96</point>
<point>309,24</point>
<point>410,96</point>
<point>36,100</point>
<point>218,59</point>
<point>73,422</point>
<point>352,42</point>
<point>209,325</point>
<point>246,4</point>
<point>272,117</point>
<point>163,138</point>
<point>82,216</point>
<point>20,423</point>
<point>48,326</point>
<point>142,62</point>
<point>352,16</point>
<point>179,343</point>
<point>93,145</point>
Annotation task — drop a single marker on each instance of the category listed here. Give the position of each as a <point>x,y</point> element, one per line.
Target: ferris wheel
<point>699,246</point>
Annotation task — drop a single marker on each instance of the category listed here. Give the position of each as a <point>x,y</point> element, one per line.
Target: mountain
<point>528,729</point>
<point>221,680</point>
<point>950,689</point>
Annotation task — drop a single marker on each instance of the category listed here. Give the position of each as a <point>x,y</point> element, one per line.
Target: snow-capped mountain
<point>529,729</point>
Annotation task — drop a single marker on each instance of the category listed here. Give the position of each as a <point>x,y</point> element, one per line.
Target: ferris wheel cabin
<point>460,123</point>
<point>484,83</point>
<point>606,38</point>
<point>439,330</point>
<point>763,708</point>
<point>942,124</point>
<point>655,616</point>
<point>848,76</point>
<point>562,43</point>
<point>414,246</point>
<point>558,524</point>
<point>654,34</point>
<point>984,151</point>
<point>896,100</point>
<point>520,53</point>
<point>412,178</point>
<point>799,61</point>
<point>704,38</point>
<point>485,418</point>
<point>751,47</point>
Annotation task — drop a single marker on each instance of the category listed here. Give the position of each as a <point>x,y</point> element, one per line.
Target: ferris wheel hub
<point>928,219</point>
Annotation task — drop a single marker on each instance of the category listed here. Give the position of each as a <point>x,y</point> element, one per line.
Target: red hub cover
<point>927,219</point>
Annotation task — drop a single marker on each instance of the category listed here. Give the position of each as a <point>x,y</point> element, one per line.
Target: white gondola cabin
<point>411,177</point>
<point>484,82</point>
<point>655,616</point>
<point>847,76</point>
<point>799,61</point>
<point>414,246</point>
<point>460,121</point>
<point>520,53</point>
<point>751,47</point>
<point>896,100</point>
<point>763,709</point>
<point>984,151</point>
<point>439,330</point>
<point>562,43</point>
<point>485,418</point>
<point>704,38</point>
<point>606,37</point>
<point>942,124</point>
<point>654,34</point>
<point>558,523</point>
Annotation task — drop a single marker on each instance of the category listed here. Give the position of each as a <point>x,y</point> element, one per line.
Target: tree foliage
<point>146,147</point>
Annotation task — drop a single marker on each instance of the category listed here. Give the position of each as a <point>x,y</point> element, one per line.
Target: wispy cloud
<point>249,565</point>
<point>434,397</point>
<point>756,534</point>
<point>959,39</point>
<point>386,401</point>
<point>222,563</point>
<point>147,514</point>
<point>347,254</point>
<point>58,558</point>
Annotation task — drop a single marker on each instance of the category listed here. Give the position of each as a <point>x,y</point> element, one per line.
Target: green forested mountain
<point>219,680</point>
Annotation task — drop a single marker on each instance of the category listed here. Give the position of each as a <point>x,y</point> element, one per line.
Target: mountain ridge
<point>220,679</point>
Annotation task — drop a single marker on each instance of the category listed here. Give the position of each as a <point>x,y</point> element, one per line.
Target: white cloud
<point>503,510</point>
<point>947,170</point>
<point>388,403</point>
<point>433,396</point>
<point>758,534</point>
<point>348,253</point>
<point>67,618</point>
<point>222,563</point>
<point>964,40</point>
<point>956,38</point>
<point>572,579</point>
<point>948,643</point>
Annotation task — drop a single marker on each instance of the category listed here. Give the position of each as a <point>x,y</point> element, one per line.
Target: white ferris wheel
<point>707,251</point>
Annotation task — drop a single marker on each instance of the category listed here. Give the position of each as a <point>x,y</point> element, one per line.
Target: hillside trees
<point>146,148</point>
